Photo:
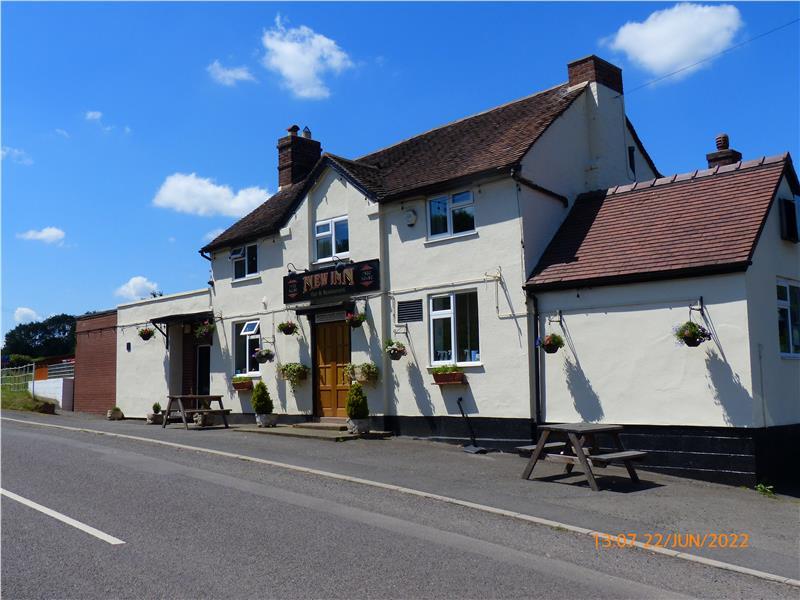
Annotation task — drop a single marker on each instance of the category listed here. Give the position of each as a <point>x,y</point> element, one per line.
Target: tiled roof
<point>700,222</point>
<point>490,141</point>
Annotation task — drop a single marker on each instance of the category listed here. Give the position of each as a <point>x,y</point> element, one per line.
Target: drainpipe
<point>537,391</point>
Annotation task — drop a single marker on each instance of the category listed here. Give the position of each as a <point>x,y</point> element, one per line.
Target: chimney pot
<point>594,68</point>
<point>723,141</point>
<point>293,130</point>
<point>306,132</point>
<point>724,154</point>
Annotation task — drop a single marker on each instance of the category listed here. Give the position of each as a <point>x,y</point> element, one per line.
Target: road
<point>201,526</point>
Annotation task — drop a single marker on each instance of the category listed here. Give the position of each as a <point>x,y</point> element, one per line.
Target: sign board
<point>340,279</point>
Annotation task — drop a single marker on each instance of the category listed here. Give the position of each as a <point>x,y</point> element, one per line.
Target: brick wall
<point>593,68</point>
<point>96,363</point>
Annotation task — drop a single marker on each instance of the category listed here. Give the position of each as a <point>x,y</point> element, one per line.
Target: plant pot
<point>243,386</point>
<point>457,378</point>
<point>289,330</point>
<point>203,419</point>
<point>550,348</point>
<point>355,324</point>
<point>155,419</point>
<point>396,355</point>
<point>146,335</point>
<point>266,420</point>
<point>358,426</point>
<point>115,414</point>
<point>692,342</point>
<point>264,359</point>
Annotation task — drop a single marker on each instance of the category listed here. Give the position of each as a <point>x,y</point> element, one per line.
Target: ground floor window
<point>246,340</point>
<point>454,328</point>
<point>788,317</point>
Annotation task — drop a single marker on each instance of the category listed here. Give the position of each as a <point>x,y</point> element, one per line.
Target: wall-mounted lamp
<point>339,263</point>
<point>292,269</point>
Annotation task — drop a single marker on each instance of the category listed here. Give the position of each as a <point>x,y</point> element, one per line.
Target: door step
<point>339,420</point>
<point>326,426</point>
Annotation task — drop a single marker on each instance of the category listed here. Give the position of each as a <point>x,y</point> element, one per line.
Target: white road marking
<point>63,518</point>
<point>419,493</point>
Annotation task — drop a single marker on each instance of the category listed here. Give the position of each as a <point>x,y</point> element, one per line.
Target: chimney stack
<point>594,68</point>
<point>297,155</point>
<point>724,155</point>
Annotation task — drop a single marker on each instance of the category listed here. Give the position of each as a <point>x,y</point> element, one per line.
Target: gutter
<point>204,255</point>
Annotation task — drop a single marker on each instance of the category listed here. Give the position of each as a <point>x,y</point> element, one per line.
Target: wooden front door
<point>333,353</point>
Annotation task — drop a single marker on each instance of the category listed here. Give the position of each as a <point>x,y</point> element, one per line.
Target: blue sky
<point>131,131</point>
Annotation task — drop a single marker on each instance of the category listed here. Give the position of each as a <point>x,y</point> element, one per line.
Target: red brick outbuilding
<point>96,362</point>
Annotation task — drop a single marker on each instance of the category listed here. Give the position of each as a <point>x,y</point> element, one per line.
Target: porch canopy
<point>174,319</point>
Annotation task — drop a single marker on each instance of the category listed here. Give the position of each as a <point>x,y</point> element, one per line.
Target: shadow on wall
<point>729,393</point>
<point>584,398</point>
<point>416,381</point>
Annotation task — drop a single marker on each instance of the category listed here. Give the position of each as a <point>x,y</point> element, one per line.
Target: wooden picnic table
<point>197,400</point>
<point>576,452</point>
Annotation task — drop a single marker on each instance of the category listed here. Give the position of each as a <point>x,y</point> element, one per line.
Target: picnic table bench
<point>197,400</point>
<point>575,452</point>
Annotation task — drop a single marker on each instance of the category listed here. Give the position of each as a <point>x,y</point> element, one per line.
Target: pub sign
<point>343,278</point>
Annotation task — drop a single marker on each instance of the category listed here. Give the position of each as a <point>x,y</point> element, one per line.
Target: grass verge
<point>14,400</point>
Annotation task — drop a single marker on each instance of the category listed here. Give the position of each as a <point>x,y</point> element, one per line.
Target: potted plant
<point>115,414</point>
<point>395,350</point>
<point>448,375</point>
<point>357,409</point>
<point>288,327</point>
<point>204,329</point>
<point>146,333</point>
<point>355,319</point>
<point>262,406</point>
<point>692,334</point>
<point>294,373</point>
<point>263,355</point>
<point>551,343</point>
<point>242,383</point>
<point>155,417</point>
<point>364,373</point>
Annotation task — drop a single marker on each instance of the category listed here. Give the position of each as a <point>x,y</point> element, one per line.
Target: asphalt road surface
<point>200,526</point>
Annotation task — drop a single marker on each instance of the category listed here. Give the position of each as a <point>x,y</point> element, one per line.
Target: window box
<point>456,378</point>
<point>242,384</point>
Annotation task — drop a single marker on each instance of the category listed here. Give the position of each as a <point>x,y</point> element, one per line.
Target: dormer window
<point>788,208</point>
<point>331,238</point>
<point>451,215</point>
<point>245,261</point>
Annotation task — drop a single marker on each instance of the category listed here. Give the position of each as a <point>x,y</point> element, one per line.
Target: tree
<point>51,337</point>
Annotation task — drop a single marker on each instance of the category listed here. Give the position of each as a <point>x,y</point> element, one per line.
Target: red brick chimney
<point>297,155</point>
<point>594,68</point>
<point>724,155</point>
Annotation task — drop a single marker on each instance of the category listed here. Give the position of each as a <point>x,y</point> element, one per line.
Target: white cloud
<point>48,235</point>
<point>17,155</point>
<point>200,196</point>
<point>127,130</point>
<point>23,314</point>
<point>93,115</point>
<point>301,56</point>
<point>136,287</point>
<point>62,133</point>
<point>214,233</point>
<point>677,37</point>
<point>228,76</point>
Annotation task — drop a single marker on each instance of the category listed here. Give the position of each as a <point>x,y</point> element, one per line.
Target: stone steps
<point>314,433</point>
<point>325,426</point>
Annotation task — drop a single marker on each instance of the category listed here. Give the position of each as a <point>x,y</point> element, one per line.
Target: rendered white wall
<point>621,363</point>
<point>58,390</point>
<point>776,378</point>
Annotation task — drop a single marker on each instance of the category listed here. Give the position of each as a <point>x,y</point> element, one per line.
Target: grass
<point>765,490</point>
<point>22,400</point>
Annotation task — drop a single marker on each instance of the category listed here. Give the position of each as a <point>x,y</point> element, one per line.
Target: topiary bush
<point>357,406</point>
<point>260,400</point>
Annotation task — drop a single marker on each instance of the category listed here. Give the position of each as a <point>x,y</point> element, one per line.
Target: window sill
<point>328,261</point>
<point>251,375</point>
<point>463,365</point>
<point>256,277</point>
<point>450,238</point>
<point>790,356</point>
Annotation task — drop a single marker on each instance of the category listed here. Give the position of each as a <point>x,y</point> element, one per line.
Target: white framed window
<point>454,328</point>
<point>245,261</point>
<point>246,340</point>
<point>788,295</point>
<point>451,215</point>
<point>331,238</point>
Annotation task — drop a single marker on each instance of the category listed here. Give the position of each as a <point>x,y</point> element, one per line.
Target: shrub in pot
<point>288,327</point>
<point>692,334</point>
<point>155,417</point>
<point>115,414</point>
<point>355,320</point>
<point>146,333</point>
<point>294,373</point>
<point>357,409</point>
<point>551,343</point>
<point>242,383</point>
<point>395,350</point>
<point>448,375</point>
<point>262,406</point>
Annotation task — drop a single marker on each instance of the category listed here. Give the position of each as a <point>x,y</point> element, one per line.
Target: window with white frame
<point>454,328</point>
<point>451,215</point>
<point>246,340</point>
<point>331,238</point>
<point>245,261</point>
<point>789,318</point>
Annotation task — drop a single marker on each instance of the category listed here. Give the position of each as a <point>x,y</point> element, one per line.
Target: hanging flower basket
<point>355,320</point>
<point>146,333</point>
<point>204,329</point>
<point>294,373</point>
<point>551,343</point>
<point>263,355</point>
<point>242,384</point>
<point>363,373</point>
<point>288,327</point>
<point>395,350</point>
<point>691,334</point>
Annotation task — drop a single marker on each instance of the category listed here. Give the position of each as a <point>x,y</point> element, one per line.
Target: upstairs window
<point>788,211</point>
<point>245,261</point>
<point>451,215</point>
<point>331,238</point>
<point>246,340</point>
<point>788,318</point>
<point>454,328</point>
